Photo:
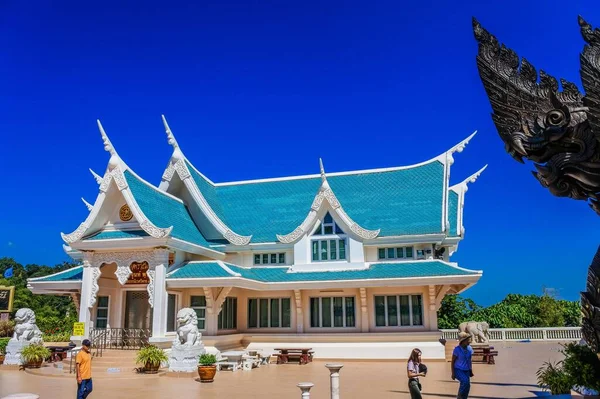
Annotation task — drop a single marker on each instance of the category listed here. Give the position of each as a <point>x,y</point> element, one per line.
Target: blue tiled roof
<point>165,211</point>
<point>399,202</point>
<point>280,274</point>
<point>73,274</point>
<point>453,213</point>
<point>110,235</point>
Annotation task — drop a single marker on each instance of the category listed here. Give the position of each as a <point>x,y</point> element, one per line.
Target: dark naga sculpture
<point>559,130</point>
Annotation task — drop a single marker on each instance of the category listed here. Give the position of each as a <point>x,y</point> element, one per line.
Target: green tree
<point>454,310</point>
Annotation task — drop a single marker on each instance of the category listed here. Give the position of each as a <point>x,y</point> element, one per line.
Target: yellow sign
<point>79,329</point>
<point>7,296</point>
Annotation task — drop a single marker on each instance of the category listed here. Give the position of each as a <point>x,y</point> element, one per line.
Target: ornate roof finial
<point>108,147</point>
<point>323,177</point>
<point>97,177</point>
<point>170,136</point>
<point>458,148</point>
<point>87,204</point>
<point>471,179</point>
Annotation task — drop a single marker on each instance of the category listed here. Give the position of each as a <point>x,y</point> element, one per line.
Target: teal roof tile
<point>453,213</point>
<point>165,211</point>
<point>399,202</point>
<point>111,235</point>
<point>73,274</point>
<point>200,270</point>
<point>280,274</point>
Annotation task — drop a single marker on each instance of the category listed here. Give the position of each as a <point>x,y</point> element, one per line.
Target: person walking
<point>462,366</point>
<point>83,369</point>
<point>415,369</point>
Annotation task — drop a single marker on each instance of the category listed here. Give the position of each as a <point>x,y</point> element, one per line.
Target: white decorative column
<point>305,389</point>
<point>433,325</point>
<point>89,289</point>
<point>364,311</point>
<point>334,376</point>
<point>157,294</point>
<point>299,314</point>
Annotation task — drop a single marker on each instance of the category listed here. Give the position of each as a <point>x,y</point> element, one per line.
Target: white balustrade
<point>521,334</point>
<point>334,376</point>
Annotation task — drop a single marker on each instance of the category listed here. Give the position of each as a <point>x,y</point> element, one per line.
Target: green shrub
<point>34,353</point>
<point>151,354</point>
<point>583,365</point>
<point>7,328</point>
<point>552,377</point>
<point>3,343</point>
<point>207,359</point>
<point>61,337</point>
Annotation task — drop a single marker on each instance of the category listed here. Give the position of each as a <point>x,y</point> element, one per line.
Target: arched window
<point>328,243</point>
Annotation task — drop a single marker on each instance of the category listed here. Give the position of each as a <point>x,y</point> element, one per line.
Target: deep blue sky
<point>260,89</point>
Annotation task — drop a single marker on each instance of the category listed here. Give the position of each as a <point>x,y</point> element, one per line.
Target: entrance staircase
<point>114,364</point>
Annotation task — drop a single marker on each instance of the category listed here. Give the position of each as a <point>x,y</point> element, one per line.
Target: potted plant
<point>207,367</point>
<point>33,355</point>
<point>3,343</point>
<point>553,378</point>
<point>151,357</point>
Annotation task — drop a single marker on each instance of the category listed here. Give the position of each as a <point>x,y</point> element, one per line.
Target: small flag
<point>8,273</point>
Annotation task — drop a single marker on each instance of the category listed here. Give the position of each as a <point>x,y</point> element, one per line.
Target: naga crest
<point>556,128</point>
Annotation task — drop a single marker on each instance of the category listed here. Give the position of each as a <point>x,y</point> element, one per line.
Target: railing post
<point>503,335</point>
<point>545,334</point>
<point>334,376</point>
<point>305,389</point>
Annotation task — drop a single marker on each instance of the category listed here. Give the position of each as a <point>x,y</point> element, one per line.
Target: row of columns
<point>334,382</point>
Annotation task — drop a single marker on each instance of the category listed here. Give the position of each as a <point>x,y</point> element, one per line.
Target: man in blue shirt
<point>462,368</point>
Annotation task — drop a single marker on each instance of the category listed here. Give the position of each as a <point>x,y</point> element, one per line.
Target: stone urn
<point>207,373</point>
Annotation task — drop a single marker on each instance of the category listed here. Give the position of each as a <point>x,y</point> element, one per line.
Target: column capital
<point>161,256</point>
<point>88,258</point>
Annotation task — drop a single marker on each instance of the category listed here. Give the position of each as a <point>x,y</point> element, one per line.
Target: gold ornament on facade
<point>125,213</point>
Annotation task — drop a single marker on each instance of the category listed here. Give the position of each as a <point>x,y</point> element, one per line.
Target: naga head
<point>555,127</point>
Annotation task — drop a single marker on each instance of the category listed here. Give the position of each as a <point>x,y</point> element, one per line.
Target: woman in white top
<point>413,373</point>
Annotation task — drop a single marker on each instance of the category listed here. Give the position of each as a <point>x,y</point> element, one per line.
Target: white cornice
<point>325,193</point>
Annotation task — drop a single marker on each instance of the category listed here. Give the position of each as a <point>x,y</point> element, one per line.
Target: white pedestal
<point>185,359</point>
<point>13,352</point>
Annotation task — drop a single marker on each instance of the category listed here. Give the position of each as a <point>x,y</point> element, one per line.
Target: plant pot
<point>150,368</point>
<point>207,373</point>
<point>2,359</point>
<point>34,364</point>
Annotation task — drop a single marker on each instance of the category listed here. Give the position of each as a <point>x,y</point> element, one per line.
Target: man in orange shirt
<point>83,368</point>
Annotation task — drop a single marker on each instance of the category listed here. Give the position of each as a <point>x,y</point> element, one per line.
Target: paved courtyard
<point>513,376</point>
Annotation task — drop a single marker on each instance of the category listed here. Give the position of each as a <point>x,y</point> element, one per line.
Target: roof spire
<point>108,147</point>
<point>87,204</point>
<point>171,139</point>
<point>97,177</point>
<point>323,177</point>
<point>458,148</point>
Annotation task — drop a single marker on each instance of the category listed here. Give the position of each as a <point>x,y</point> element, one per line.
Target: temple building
<point>353,264</point>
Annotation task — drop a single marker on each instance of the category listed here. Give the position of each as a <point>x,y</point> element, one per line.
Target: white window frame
<point>396,248</point>
<point>98,307</point>
<point>398,314</point>
<point>332,314</point>
<point>221,313</point>
<point>200,307</point>
<point>280,299</point>
<point>269,255</point>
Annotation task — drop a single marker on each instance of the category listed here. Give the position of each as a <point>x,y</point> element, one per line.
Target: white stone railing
<point>519,334</point>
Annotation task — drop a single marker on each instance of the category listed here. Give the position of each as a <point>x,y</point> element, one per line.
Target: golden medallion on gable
<point>125,213</point>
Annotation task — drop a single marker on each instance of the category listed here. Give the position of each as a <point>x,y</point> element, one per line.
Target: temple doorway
<point>138,314</point>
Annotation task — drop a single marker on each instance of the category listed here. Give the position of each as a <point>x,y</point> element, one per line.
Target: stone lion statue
<point>478,330</point>
<point>25,328</point>
<point>188,334</point>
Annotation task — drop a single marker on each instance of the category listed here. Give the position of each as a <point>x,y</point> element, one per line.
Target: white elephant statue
<point>478,330</point>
